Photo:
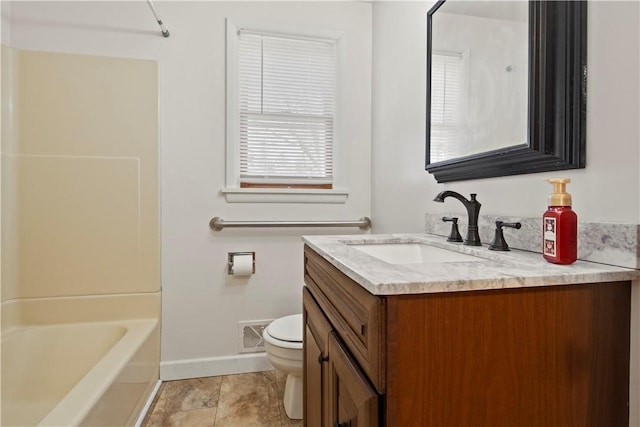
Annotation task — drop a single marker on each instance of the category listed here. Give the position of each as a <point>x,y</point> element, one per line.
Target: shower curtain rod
<point>164,30</point>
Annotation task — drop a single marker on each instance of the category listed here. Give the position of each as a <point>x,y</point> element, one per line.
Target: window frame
<point>233,191</point>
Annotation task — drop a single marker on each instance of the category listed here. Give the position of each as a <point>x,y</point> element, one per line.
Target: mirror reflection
<point>479,77</point>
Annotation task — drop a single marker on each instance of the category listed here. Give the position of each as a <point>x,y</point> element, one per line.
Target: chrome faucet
<point>473,212</point>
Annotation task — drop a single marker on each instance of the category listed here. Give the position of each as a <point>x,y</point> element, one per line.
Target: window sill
<point>284,195</point>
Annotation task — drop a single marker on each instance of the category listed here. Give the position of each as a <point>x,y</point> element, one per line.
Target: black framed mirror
<point>552,117</point>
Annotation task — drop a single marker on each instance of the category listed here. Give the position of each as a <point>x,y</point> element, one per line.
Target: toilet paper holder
<point>233,254</point>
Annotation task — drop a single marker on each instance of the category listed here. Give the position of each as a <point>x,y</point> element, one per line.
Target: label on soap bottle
<point>550,236</point>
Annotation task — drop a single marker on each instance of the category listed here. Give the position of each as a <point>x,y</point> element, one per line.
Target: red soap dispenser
<point>560,226</point>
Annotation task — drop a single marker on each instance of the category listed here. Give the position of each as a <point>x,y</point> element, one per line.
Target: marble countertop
<point>493,270</point>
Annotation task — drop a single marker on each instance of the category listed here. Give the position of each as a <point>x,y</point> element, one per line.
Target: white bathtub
<point>78,374</point>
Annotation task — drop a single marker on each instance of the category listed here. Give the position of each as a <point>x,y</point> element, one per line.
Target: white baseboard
<point>214,366</point>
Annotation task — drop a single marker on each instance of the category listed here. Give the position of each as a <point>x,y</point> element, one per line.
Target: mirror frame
<point>557,100</point>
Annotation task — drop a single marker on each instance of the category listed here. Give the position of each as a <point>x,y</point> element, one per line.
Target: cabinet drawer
<point>356,314</point>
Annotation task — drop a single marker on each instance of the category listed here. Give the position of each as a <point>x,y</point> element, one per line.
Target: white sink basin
<point>413,253</point>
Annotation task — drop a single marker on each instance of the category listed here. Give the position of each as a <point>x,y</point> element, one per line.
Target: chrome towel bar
<point>218,223</point>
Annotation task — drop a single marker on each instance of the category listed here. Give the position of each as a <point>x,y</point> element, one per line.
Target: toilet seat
<point>285,332</point>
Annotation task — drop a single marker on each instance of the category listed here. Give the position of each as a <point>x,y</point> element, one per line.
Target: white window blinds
<point>286,103</point>
<point>446,78</point>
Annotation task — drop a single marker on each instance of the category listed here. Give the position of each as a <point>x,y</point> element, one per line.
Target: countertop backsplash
<point>602,242</point>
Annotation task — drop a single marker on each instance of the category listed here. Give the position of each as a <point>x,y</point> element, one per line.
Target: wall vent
<point>250,336</point>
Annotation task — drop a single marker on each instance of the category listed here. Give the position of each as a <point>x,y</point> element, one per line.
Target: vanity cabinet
<point>538,356</point>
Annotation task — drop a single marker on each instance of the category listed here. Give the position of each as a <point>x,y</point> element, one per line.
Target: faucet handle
<point>454,235</point>
<point>498,243</point>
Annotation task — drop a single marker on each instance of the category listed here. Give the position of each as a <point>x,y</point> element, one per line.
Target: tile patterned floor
<point>245,400</point>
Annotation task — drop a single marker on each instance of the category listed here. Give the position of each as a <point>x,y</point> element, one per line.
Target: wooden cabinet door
<point>353,401</point>
<point>316,374</point>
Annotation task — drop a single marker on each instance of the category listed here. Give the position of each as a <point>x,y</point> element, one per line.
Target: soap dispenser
<point>560,226</point>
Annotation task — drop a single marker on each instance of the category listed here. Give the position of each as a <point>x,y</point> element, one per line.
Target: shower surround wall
<point>80,219</point>
<point>80,176</point>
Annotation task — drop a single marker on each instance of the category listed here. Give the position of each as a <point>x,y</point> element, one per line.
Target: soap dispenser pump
<point>560,226</point>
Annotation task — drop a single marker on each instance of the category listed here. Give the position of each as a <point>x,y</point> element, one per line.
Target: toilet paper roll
<point>242,265</point>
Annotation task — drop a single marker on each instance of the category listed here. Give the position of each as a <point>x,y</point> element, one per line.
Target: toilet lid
<point>288,328</point>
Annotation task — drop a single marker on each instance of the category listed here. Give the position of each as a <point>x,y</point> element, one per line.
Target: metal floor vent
<point>250,336</point>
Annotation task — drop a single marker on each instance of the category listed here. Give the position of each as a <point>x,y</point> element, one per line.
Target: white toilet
<point>283,342</point>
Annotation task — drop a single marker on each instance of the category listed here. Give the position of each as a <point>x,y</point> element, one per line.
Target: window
<point>446,78</point>
<point>281,96</point>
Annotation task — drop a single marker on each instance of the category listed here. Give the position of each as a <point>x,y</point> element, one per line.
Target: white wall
<point>201,303</point>
<point>400,186</point>
<point>5,22</point>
